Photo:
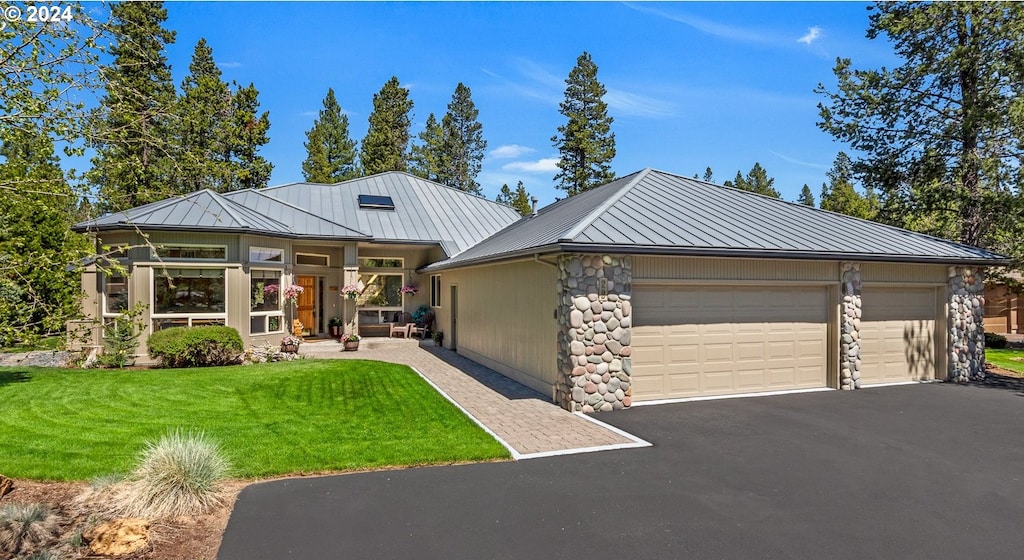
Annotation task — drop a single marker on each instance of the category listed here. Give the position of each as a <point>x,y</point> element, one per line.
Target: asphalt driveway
<point>919,471</point>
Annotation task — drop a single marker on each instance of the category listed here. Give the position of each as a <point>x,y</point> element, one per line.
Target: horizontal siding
<point>905,273</point>
<point>506,317</point>
<point>688,268</point>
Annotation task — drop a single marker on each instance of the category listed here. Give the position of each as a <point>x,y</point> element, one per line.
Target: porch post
<point>350,275</point>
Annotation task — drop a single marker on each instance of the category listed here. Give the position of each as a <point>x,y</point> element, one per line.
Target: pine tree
<point>585,143</point>
<point>709,176</point>
<point>806,196</point>
<point>756,181</point>
<point>132,126</point>
<point>428,156</point>
<point>386,145</point>
<point>204,122</point>
<point>520,199</point>
<point>330,152</point>
<point>840,195</point>
<point>464,143</point>
<point>248,132</point>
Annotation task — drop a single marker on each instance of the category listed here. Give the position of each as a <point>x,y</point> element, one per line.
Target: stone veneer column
<point>966,305</point>
<point>594,315</point>
<point>849,356</point>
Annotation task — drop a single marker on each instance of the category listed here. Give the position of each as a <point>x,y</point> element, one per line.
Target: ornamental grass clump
<point>179,475</point>
<point>27,527</point>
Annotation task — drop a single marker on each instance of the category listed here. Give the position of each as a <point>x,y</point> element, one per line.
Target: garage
<point>708,340</point>
<point>897,335</point>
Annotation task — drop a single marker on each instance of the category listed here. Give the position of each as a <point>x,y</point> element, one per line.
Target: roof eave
<point>205,229</point>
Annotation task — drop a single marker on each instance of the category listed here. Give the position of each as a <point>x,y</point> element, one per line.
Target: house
<point>1004,308</point>
<point>654,286</point>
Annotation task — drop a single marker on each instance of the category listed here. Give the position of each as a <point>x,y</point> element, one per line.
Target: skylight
<point>376,202</point>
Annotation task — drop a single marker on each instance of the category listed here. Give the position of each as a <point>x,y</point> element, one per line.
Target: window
<point>376,202</point>
<point>266,254</point>
<point>188,290</point>
<point>435,290</point>
<point>115,295</point>
<point>265,301</point>
<point>192,252</point>
<point>312,259</point>
<point>381,299</point>
<point>381,263</point>
<point>168,322</point>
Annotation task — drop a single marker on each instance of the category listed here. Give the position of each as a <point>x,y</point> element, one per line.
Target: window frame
<point>104,298</point>
<point>154,252</point>
<point>435,291</point>
<point>400,260</point>
<point>281,261</point>
<point>267,314</point>
<point>154,315</point>
<point>327,259</point>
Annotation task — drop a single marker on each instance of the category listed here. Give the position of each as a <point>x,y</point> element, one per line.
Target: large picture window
<point>381,263</point>
<point>381,298</point>
<point>188,290</point>
<point>265,301</point>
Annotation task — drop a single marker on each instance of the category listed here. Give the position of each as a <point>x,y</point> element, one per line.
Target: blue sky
<point>689,84</point>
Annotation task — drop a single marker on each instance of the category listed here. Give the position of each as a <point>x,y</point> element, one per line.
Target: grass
<point>1005,358</point>
<point>48,343</point>
<point>290,417</point>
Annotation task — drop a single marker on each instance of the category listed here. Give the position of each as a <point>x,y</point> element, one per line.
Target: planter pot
<point>336,332</point>
<point>290,348</point>
<point>351,346</point>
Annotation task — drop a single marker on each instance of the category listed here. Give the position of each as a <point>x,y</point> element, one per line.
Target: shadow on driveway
<point>919,471</point>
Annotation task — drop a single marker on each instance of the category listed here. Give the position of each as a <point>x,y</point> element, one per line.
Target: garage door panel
<point>898,334</point>
<point>743,340</point>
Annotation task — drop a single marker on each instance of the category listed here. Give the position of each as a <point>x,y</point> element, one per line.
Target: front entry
<point>306,306</point>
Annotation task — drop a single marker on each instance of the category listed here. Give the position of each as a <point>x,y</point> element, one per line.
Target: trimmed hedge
<point>196,346</point>
<point>995,341</point>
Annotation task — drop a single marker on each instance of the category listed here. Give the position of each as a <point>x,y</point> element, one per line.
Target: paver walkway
<point>524,420</point>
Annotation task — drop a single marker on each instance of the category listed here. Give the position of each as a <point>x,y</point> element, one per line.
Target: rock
<point>590,388</point>
<point>6,485</point>
<point>595,399</point>
<point>627,401</point>
<point>613,346</point>
<point>596,307</point>
<point>119,537</point>
<point>600,338</point>
<point>587,409</point>
<point>591,368</point>
<point>578,370</point>
<point>600,348</point>
<point>612,323</point>
<point>601,368</point>
<point>615,365</point>
<point>606,378</point>
<point>575,318</point>
<point>596,378</point>
<point>626,351</point>
<point>626,337</point>
<point>600,328</point>
<point>578,394</point>
<point>607,356</point>
<point>576,348</point>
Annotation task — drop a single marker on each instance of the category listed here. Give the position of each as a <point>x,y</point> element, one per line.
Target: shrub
<point>121,337</point>
<point>178,475</point>
<point>993,340</point>
<point>196,346</point>
<point>41,555</point>
<point>25,527</point>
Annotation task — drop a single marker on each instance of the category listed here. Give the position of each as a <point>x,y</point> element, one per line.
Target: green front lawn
<point>1008,358</point>
<point>293,417</point>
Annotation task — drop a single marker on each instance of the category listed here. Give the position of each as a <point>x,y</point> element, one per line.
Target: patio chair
<point>421,329</point>
<point>403,325</point>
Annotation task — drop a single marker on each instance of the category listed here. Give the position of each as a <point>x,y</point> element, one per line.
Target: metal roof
<point>425,212</point>
<point>654,212</point>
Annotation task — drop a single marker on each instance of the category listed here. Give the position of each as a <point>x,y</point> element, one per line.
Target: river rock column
<point>594,317</point>
<point>966,331</point>
<point>849,355</point>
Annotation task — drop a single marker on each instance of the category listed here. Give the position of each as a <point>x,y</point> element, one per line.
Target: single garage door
<point>897,334</point>
<point>694,341</point>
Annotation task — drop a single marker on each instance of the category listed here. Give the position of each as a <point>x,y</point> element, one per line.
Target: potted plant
<point>336,325</point>
<point>438,337</point>
<point>351,291</point>
<point>409,289</point>
<point>290,344</point>
<point>351,342</point>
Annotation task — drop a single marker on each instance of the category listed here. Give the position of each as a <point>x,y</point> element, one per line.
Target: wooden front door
<point>307,303</point>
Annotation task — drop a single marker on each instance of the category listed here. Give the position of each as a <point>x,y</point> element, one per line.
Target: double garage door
<point>701,341</point>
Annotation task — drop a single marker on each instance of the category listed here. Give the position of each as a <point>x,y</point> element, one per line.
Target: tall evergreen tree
<point>204,124</point>
<point>518,199</point>
<point>756,181</point>
<point>428,156</point>
<point>330,152</point>
<point>386,145</point>
<point>586,144</point>
<point>709,176</point>
<point>464,143</point>
<point>940,132</point>
<point>806,196</point>
<point>133,128</point>
<point>248,133</point>
<point>840,195</point>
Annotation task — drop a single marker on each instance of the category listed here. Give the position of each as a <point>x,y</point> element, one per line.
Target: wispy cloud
<point>813,33</point>
<point>797,161</point>
<point>510,151</point>
<point>730,32</point>
<point>626,103</point>
<point>544,165</point>
<point>231,64</point>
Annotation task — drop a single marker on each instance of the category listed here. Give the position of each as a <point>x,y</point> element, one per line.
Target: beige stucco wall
<point>505,319</point>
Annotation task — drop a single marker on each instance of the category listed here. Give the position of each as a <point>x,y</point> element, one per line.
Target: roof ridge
<point>608,202</point>
<point>305,211</point>
<point>222,200</point>
<point>158,205</point>
<point>225,199</point>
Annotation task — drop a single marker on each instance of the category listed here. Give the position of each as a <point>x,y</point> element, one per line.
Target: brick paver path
<point>526,420</point>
